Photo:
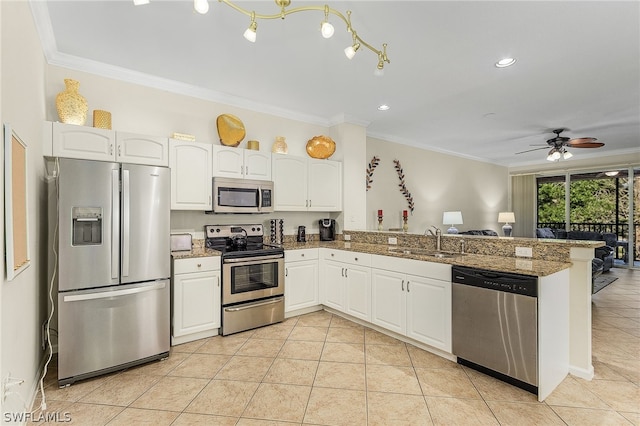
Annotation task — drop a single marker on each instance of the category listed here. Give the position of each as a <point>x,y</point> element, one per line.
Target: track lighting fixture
<point>201,6</point>
<point>326,28</point>
<point>250,33</point>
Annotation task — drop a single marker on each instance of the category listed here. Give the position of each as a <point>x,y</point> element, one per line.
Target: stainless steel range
<point>252,276</point>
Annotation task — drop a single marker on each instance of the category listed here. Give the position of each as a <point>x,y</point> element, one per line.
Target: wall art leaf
<point>403,186</point>
<point>372,166</point>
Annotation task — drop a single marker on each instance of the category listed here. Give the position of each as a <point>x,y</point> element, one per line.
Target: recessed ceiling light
<point>383,107</point>
<point>506,62</point>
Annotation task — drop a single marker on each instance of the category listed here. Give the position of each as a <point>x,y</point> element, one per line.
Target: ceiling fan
<point>559,145</point>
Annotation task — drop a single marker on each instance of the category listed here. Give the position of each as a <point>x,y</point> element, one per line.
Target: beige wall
<point>437,183</point>
<point>23,301</point>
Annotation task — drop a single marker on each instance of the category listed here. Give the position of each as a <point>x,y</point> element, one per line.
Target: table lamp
<point>506,218</point>
<point>452,218</point>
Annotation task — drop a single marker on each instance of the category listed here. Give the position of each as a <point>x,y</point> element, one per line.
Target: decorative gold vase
<point>280,146</point>
<point>72,106</point>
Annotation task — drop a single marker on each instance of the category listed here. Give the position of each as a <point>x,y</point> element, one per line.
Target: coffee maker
<point>327,229</point>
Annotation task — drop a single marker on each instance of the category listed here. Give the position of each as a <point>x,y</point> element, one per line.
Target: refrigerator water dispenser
<point>87,226</point>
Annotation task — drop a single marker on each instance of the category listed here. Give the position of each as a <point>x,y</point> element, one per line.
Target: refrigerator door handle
<point>108,294</point>
<point>115,226</point>
<point>126,215</point>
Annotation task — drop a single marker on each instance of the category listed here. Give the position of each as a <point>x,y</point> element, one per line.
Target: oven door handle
<point>254,305</point>
<point>253,259</point>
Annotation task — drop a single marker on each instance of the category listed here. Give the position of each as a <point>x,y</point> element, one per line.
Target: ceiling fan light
<point>612,173</point>
<point>201,6</point>
<point>554,155</point>
<point>566,155</point>
<point>327,29</point>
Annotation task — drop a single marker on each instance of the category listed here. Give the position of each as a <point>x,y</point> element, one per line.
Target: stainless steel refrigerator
<point>113,267</point>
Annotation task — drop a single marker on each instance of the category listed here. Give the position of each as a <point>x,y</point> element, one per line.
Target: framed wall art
<point>15,204</point>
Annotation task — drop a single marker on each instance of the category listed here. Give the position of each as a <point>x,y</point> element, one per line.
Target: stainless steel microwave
<point>242,196</point>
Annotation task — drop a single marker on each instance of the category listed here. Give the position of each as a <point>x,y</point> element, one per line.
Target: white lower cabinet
<point>300,279</point>
<point>195,299</point>
<point>346,282</point>
<point>415,305</point>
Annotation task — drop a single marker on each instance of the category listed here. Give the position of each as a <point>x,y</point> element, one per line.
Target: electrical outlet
<point>524,251</point>
<point>347,237</point>
<point>393,240</point>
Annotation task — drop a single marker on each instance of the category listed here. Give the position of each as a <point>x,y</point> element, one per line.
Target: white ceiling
<point>578,66</point>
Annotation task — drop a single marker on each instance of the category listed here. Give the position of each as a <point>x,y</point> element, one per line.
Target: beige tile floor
<point>324,370</point>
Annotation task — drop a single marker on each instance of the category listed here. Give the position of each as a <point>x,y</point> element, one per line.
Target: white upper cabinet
<point>190,164</point>
<point>71,141</point>
<point>305,184</point>
<point>241,163</point>
<point>142,149</point>
<point>325,185</point>
<point>90,143</point>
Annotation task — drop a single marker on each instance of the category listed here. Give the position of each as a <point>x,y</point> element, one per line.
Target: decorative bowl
<point>321,147</point>
<point>230,129</point>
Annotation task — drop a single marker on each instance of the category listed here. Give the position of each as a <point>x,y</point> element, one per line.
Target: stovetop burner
<point>239,240</point>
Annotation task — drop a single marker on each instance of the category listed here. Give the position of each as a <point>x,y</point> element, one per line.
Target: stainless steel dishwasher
<point>495,324</point>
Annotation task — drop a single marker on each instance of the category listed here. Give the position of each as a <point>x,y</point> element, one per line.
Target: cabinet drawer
<point>351,257</point>
<point>300,254</point>
<point>196,264</point>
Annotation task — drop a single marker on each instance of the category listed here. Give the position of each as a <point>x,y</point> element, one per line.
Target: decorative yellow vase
<point>280,146</point>
<point>72,106</point>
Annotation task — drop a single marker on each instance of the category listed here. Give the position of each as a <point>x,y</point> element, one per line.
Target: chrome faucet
<point>437,234</point>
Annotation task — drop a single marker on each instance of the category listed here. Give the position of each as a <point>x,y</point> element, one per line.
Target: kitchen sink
<point>424,252</point>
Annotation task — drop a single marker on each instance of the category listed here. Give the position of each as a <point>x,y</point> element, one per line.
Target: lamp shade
<point>452,218</point>
<point>506,217</point>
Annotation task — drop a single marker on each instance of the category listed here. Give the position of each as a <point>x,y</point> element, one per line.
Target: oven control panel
<point>217,231</point>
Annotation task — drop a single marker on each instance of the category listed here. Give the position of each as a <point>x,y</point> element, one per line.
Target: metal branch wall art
<point>372,166</point>
<point>403,187</point>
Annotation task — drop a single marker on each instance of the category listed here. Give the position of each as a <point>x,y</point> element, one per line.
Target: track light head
<point>201,6</point>
<point>326,28</point>
<point>250,33</point>
<point>350,51</point>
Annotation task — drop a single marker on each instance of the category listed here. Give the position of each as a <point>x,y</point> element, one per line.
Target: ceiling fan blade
<point>585,143</point>
<point>534,149</point>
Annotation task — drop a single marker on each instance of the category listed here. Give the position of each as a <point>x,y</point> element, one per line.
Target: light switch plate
<point>524,251</point>
<point>393,240</point>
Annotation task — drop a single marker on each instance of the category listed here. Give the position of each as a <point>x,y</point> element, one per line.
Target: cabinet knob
<point>331,254</point>
<point>356,259</point>
<point>199,265</point>
<point>302,255</point>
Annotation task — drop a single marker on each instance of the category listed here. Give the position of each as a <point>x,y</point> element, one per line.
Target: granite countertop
<point>195,252</point>
<point>527,266</point>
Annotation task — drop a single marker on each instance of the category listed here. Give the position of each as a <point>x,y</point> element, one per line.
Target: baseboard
<point>581,372</point>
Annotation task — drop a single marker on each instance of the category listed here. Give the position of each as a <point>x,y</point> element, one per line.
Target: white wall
<point>23,300</point>
<point>437,183</point>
